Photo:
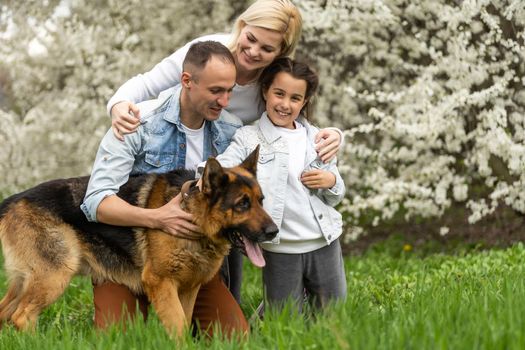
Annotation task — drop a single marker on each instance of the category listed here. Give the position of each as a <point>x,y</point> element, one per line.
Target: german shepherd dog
<point>46,240</point>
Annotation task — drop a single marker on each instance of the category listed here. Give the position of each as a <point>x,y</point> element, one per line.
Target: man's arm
<point>113,164</point>
<point>169,218</point>
<point>111,170</point>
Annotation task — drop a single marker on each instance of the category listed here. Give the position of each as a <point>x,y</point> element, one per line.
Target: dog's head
<point>234,206</point>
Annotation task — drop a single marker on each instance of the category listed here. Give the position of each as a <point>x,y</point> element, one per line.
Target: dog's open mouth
<point>251,249</point>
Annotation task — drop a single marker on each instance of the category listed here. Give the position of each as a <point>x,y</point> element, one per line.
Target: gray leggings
<point>320,273</point>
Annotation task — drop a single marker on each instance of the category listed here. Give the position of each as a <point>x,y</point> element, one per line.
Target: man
<point>180,129</point>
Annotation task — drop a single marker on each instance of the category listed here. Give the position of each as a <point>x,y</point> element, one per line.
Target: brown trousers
<point>215,306</point>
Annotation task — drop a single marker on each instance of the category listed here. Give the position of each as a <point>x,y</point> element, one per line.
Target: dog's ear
<point>250,163</point>
<point>214,177</point>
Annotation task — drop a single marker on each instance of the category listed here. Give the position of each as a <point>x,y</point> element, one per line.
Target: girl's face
<point>285,98</point>
<point>257,48</point>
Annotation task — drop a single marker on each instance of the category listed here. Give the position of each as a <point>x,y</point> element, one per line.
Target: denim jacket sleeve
<point>236,151</point>
<point>113,165</point>
<point>234,154</point>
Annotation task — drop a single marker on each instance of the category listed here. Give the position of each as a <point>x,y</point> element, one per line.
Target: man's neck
<point>188,117</point>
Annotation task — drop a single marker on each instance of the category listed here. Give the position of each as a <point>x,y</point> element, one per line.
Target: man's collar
<point>172,112</point>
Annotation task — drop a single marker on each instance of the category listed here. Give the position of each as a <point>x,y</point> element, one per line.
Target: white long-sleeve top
<point>245,101</point>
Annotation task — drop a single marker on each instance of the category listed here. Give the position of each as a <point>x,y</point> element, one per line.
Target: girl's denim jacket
<point>272,173</point>
<point>158,146</point>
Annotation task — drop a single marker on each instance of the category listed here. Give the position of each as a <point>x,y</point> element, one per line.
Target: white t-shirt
<point>299,232</point>
<point>194,146</point>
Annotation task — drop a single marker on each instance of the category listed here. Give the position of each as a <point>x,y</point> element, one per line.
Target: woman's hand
<point>327,144</point>
<point>125,119</point>
<point>318,179</point>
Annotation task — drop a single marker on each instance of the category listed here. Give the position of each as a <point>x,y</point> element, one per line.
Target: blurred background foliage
<point>430,93</point>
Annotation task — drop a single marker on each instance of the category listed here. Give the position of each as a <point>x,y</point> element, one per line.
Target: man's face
<point>209,91</point>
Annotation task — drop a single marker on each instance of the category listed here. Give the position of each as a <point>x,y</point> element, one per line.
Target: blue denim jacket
<point>158,146</point>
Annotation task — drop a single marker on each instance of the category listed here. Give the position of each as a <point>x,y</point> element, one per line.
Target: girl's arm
<point>234,155</point>
<point>328,183</point>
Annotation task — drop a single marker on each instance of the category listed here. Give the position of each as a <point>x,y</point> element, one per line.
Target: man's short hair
<point>201,52</point>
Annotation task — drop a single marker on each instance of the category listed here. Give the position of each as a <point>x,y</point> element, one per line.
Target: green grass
<point>396,300</point>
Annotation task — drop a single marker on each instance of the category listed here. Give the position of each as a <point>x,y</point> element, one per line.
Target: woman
<point>267,30</point>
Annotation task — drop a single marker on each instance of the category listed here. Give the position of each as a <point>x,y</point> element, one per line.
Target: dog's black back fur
<point>112,245</point>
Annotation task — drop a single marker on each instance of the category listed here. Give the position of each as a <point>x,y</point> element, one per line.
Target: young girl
<point>299,189</point>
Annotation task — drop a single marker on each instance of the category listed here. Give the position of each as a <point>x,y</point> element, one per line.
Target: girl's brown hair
<point>296,69</point>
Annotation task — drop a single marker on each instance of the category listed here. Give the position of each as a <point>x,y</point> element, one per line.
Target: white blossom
<point>430,94</point>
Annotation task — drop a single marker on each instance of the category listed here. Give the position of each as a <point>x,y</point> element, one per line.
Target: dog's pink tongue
<point>254,252</point>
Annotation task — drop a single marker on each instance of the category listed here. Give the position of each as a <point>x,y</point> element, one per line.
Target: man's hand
<point>327,144</point>
<point>173,220</point>
<point>170,217</point>
<point>318,179</point>
<point>125,119</point>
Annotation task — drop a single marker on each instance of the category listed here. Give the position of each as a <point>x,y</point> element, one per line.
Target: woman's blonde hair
<point>278,15</point>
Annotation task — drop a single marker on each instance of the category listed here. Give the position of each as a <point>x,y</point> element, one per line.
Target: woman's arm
<point>125,115</point>
<point>328,141</point>
<point>148,85</point>
<point>166,74</point>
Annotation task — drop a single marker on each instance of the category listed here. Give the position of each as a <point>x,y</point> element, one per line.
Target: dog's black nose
<point>271,231</point>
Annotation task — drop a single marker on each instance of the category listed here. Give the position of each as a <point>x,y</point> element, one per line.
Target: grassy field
<point>398,299</point>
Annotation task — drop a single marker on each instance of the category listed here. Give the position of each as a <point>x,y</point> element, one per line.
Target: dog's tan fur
<point>45,243</point>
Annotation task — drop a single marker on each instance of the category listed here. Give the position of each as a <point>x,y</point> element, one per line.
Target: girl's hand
<point>317,178</point>
<point>327,144</point>
<point>124,119</point>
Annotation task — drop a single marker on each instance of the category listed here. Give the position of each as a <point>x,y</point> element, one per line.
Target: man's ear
<point>185,79</point>
<point>214,177</point>
<point>250,163</point>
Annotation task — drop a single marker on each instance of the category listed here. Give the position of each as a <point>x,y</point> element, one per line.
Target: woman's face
<point>257,48</point>
<point>285,98</point>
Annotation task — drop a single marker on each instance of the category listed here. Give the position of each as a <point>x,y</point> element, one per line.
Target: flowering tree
<point>431,94</point>
<point>65,59</point>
